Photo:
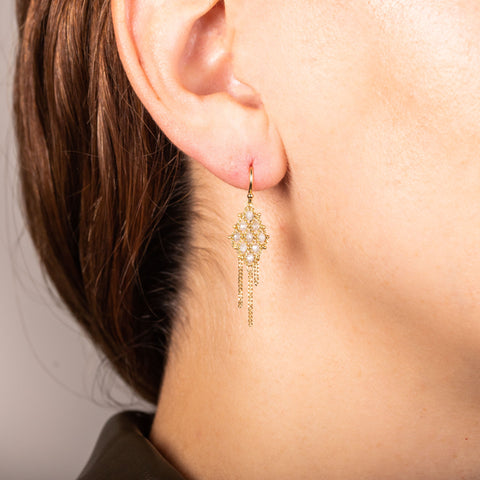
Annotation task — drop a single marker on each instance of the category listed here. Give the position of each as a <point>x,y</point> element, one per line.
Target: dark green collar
<point>124,452</point>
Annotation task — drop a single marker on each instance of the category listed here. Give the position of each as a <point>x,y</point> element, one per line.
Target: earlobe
<point>178,57</point>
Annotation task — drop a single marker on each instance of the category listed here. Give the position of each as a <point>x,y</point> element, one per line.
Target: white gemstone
<point>249,215</point>
<point>242,226</point>
<point>243,247</point>
<point>255,248</point>
<point>249,237</point>
<point>236,236</point>
<point>250,258</point>
<point>261,237</point>
<point>255,225</point>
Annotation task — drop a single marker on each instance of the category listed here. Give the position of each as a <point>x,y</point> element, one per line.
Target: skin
<point>364,359</point>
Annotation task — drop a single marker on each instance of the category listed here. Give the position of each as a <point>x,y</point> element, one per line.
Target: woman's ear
<point>178,57</point>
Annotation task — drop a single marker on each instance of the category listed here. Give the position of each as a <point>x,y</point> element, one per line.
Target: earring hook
<point>250,188</point>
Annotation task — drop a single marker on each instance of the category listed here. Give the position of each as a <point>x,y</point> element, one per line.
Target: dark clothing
<point>124,452</point>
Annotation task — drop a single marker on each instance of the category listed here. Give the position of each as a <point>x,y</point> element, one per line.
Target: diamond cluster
<point>249,236</point>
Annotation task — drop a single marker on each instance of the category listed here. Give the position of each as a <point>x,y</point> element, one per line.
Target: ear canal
<point>205,66</point>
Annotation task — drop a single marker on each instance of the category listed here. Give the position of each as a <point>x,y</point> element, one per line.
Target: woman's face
<point>378,106</point>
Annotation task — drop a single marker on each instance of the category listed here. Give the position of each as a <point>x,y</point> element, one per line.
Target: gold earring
<point>249,238</point>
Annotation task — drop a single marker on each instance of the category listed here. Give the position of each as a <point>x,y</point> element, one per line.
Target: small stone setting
<point>249,238</point>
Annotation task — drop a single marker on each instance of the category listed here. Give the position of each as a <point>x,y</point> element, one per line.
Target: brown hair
<point>105,194</point>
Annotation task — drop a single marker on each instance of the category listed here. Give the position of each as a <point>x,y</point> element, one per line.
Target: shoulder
<point>124,452</point>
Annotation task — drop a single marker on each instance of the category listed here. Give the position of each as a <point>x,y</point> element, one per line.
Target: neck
<point>329,383</point>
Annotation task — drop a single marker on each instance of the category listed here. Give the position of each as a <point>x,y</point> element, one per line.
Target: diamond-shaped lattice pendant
<point>249,238</point>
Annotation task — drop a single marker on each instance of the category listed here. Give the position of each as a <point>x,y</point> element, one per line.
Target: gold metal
<point>249,238</point>
<point>240,282</point>
<point>250,187</point>
<point>256,273</point>
<point>250,297</point>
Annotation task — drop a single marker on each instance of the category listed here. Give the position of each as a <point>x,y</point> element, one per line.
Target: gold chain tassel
<point>256,273</point>
<point>250,296</point>
<point>240,282</point>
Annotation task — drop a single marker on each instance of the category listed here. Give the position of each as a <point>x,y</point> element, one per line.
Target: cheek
<point>407,195</point>
<point>431,62</point>
<point>309,62</point>
<point>378,106</point>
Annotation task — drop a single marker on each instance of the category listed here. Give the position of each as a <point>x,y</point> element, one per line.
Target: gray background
<point>52,384</point>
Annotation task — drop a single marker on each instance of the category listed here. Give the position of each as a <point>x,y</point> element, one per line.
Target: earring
<point>249,238</point>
